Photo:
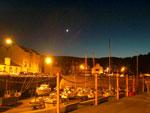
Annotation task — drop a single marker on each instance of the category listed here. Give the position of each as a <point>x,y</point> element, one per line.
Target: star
<point>67,30</point>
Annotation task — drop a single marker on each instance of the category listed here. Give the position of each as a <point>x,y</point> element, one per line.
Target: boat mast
<point>109,65</point>
<point>85,68</point>
<point>137,70</point>
<point>93,59</point>
<point>73,73</point>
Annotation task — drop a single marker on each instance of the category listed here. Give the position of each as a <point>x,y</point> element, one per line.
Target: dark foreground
<point>134,104</point>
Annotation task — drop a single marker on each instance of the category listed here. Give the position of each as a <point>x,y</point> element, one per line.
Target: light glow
<point>81,67</point>
<point>122,69</point>
<point>48,60</point>
<point>8,41</point>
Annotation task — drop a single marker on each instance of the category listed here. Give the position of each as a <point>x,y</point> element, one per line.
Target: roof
<point>29,50</point>
<point>2,62</point>
<point>25,49</point>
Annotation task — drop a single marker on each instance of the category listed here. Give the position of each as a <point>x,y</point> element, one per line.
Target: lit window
<point>16,69</point>
<point>4,68</point>
<point>25,64</point>
<point>10,68</point>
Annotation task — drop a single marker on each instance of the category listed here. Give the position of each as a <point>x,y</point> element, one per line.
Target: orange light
<point>8,41</point>
<point>48,60</point>
<point>81,66</point>
<point>122,69</point>
<point>121,75</point>
<point>107,69</point>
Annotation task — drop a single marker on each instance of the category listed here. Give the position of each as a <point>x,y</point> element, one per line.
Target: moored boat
<point>44,89</point>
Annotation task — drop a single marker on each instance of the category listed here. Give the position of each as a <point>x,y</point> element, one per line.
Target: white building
<point>98,69</point>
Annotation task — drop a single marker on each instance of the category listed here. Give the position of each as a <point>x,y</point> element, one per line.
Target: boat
<point>38,103</point>
<point>44,89</point>
<point>10,98</point>
<point>91,94</point>
<point>24,83</point>
<point>82,94</point>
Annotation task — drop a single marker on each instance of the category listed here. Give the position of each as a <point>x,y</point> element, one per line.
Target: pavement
<point>23,105</point>
<point>134,104</point>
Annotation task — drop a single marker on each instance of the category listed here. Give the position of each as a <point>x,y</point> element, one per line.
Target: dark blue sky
<point>41,25</point>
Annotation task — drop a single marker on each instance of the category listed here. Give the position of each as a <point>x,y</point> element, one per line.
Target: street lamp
<point>48,60</point>
<point>122,69</point>
<point>81,67</point>
<point>8,41</point>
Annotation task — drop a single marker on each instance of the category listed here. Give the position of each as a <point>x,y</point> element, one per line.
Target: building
<point>98,69</point>
<point>28,59</point>
<point>9,67</point>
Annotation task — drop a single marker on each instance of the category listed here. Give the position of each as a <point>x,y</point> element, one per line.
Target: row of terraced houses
<point>17,59</point>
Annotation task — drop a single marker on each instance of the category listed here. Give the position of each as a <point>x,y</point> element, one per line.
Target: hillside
<point>65,62</point>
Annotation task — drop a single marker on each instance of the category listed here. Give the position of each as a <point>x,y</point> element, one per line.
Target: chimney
<point>7,61</point>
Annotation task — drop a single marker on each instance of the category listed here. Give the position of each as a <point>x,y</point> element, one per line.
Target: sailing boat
<point>44,89</point>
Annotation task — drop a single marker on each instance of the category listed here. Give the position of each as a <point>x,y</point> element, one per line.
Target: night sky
<point>73,28</point>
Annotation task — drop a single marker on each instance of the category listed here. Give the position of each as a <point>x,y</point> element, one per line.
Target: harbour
<point>74,56</point>
<point>73,93</point>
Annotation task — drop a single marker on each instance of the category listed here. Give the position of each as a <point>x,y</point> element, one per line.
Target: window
<point>10,68</point>
<point>16,69</point>
<point>25,64</point>
<point>4,68</point>
<point>97,69</point>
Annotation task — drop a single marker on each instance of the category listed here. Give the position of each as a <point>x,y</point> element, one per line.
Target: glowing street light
<point>48,60</point>
<point>81,67</point>
<point>8,41</point>
<point>122,69</point>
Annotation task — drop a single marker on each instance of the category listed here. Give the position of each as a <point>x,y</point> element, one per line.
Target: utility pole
<point>58,93</point>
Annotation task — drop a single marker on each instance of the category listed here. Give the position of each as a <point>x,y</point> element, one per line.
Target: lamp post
<point>48,61</point>
<point>8,42</point>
